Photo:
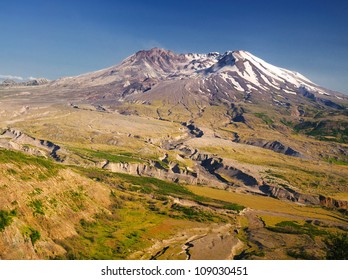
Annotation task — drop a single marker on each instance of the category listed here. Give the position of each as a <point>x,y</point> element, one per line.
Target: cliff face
<point>309,199</point>
<point>17,140</point>
<point>333,203</point>
<point>155,170</point>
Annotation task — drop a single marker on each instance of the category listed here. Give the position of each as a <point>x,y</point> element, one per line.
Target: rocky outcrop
<point>292,195</point>
<point>139,87</point>
<point>17,140</point>
<point>236,113</point>
<point>194,130</point>
<point>237,174</point>
<point>225,173</point>
<point>277,192</point>
<point>289,194</point>
<point>215,167</point>
<point>275,146</point>
<point>164,158</point>
<point>155,170</point>
<point>209,170</point>
<point>306,198</point>
<point>199,156</point>
<point>211,164</point>
<point>333,203</point>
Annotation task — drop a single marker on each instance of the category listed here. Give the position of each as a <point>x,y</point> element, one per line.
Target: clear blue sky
<point>63,38</point>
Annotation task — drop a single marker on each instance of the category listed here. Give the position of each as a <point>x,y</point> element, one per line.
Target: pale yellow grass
<point>266,203</point>
<point>273,220</point>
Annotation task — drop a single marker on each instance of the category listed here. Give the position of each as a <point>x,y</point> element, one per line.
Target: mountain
<point>37,82</point>
<point>31,82</point>
<point>181,87</point>
<point>232,76</point>
<point>8,82</point>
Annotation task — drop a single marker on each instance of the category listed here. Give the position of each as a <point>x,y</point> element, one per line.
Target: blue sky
<point>63,38</point>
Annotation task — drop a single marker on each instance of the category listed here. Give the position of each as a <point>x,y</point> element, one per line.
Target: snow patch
<point>235,84</point>
<point>288,91</point>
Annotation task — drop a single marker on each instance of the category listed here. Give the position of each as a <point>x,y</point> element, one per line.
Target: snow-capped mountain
<point>231,76</point>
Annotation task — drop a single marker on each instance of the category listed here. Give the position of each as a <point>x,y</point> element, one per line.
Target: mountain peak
<point>157,59</point>
<point>153,51</point>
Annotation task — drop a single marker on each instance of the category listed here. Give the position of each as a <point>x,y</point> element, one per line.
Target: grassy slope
<point>267,204</point>
<point>92,214</point>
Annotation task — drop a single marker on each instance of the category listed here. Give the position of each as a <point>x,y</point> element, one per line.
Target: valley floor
<point>79,182</point>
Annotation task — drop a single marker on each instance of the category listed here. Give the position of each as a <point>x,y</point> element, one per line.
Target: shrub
<point>34,236</point>
<point>337,246</point>
<point>234,207</point>
<point>6,218</point>
<point>37,206</point>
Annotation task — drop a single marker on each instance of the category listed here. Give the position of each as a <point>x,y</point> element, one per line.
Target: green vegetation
<point>36,191</point>
<point>125,225</point>
<point>117,203</point>
<point>37,206</point>
<point>34,236</point>
<point>293,227</point>
<point>271,173</point>
<point>337,246</point>
<point>110,236</point>
<point>77,198</point>
<point>94,240</point>
<point>6,218</point>
<point>265,203</point>
<point>30,167</point>
<point>265,118</point>
<point>15,157</point>
<point>31,233</point>
<point>233,207</point>
<point>287,123</point>
<point>141,184</point>
<point>325,130</point>
<point>11,171</point>
<point>107,155</point>
<point>53,201</point>
<point>193,214</point>
<point>337,161</point>
<point>153,185</point>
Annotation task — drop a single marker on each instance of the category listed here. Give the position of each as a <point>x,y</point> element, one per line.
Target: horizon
<point>60,39</point>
